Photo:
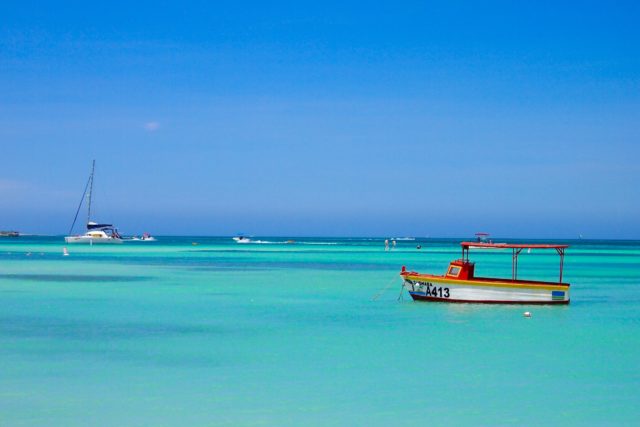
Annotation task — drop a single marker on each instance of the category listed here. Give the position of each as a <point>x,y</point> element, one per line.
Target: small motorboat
<point>483,238</point>
<point>9,234</point>
<point>460,284</point>
<point>146,237</point>
<point>242,239</point>
<point>486,238</point>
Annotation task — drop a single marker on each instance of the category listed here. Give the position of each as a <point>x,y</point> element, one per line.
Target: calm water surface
<point>174,333</point>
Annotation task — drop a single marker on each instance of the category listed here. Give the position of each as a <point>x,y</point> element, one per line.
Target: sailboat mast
<point>84,193</point>
<point>93,168</point>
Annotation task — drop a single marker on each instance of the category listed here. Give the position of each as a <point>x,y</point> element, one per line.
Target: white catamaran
<point>96,233</point>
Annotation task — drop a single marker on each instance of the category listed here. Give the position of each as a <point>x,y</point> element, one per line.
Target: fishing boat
<point>460,284</point>
<point>96,232</point>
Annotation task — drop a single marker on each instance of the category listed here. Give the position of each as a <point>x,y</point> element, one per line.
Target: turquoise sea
<point>201,331</point>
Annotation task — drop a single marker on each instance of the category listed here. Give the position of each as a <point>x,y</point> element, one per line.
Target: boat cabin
<point>461,269</point>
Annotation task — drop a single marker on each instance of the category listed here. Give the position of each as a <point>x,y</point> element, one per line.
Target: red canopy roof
<point>510,245</point>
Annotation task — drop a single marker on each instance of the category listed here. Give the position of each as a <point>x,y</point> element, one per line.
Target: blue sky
<point>323,118</point>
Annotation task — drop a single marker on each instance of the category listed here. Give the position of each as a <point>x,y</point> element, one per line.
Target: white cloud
<point>152,126</point>
<point>8,185</point>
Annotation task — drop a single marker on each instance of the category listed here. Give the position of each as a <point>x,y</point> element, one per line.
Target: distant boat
<point>242,239</point>
<point>9,234</point>
<point>483,238</point>
<point>146,237</point>
<point>486,238</point>
<point>96,232</point>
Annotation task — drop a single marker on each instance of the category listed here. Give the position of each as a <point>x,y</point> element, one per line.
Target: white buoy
<point>65,252</point>
<point>527,314</point>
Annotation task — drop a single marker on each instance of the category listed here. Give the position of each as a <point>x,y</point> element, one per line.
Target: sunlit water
<point>174,333</point>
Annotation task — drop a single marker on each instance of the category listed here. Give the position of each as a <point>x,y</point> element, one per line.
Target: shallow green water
<point>174,334</point>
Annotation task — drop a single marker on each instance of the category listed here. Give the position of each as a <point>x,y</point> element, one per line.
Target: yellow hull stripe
<point>440,279</point>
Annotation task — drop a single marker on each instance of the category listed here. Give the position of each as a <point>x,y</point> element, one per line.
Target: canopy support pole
<point>514,265</point>
<point>465,253</point>
<point>561,253</point>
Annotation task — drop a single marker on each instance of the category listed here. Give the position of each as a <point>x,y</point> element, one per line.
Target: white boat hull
<point>242,240</point>
<point>92,240</point>
<point>441,289</point>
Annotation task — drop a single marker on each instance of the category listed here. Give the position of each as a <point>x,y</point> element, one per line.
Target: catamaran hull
<point>443,290</point>
<point>91,240</point>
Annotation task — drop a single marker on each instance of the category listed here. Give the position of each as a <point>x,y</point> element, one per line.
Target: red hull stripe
<point>435,299</point>
<point>480,281</point>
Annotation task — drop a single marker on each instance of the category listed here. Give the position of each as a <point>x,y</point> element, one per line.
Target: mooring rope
<point>383,290</point>
<point>401,296</point>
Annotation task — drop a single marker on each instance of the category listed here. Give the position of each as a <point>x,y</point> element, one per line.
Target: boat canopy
<point>516,248</point>
<point>94,226</point>
<point>466,245</point>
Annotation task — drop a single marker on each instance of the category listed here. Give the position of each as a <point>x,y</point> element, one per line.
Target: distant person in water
<point>393,243</point>
<point>386,244</point>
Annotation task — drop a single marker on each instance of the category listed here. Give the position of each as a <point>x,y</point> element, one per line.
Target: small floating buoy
<point>65,252</point>
<point>527,314</point>
<point>419,247</point>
